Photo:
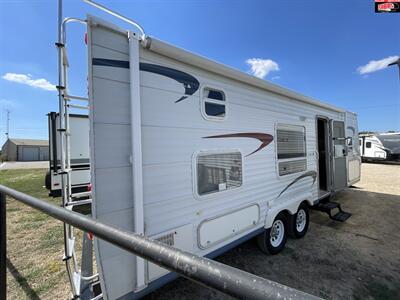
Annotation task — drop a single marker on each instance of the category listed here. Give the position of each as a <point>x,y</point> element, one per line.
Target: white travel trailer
<point>380,146</point>
<point>201,156</point>
<point>79,149</point>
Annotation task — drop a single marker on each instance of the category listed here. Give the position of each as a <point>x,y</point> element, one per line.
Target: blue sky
<point>313,47</point>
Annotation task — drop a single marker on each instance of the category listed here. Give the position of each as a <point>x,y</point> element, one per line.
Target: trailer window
<point>218,172</point>
<point>291,149</point>
<point>291,141</point>
<point>368,144</point>
<point>213,104</point>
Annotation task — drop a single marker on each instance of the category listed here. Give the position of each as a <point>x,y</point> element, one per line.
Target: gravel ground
<point>380,178</point>
<point>358,259</point>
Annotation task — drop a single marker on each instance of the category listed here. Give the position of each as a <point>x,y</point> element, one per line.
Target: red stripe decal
<point>264,138</point>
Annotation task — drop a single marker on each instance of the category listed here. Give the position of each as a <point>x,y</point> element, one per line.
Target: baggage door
<point>339,148</point>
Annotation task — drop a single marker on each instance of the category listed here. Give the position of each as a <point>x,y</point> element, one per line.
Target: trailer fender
<point>289,207</point>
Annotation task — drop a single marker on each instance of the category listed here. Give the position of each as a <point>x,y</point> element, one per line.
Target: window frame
<point>290,159</point>
<point>216,194</point>
<point>203,101</point>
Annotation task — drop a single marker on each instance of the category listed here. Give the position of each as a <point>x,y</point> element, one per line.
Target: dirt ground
<point>358,259</point>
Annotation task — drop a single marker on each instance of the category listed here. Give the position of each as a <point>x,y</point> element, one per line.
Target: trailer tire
<point>273,239</point>
<point>298,224</point>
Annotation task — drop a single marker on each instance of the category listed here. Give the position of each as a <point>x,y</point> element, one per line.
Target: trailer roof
<point>199,61</point>
<point>190,58</point>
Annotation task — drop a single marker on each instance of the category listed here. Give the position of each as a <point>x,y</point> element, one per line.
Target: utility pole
<point>8,123</point>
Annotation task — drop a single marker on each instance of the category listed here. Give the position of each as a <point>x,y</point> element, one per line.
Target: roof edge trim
<point>190,58</point>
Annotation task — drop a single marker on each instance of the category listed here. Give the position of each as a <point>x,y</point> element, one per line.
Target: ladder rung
<point>80,195</point>
<point>99,296</point>
<point>78,106</point>
<point>76,97</point>
<point>79,202</point>
<point>90,277</point>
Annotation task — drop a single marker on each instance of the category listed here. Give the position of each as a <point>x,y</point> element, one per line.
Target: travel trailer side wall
<point>198,155</point>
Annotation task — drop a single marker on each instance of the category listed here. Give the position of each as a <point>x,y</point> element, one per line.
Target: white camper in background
<point>201,156</point>
<point>79,146</point>
<point>380,146</point>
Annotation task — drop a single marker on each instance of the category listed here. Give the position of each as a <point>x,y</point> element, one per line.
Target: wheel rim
<point>301,220</point>
<point>277,233</point>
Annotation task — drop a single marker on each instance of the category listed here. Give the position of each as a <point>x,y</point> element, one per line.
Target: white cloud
<point>276,77</point>
<point>27,79</point>
<point>261,67</point>
<point>376,65</point>
<point>6,103</point>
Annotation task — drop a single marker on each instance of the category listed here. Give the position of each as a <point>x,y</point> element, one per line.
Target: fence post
<point>3,247</point>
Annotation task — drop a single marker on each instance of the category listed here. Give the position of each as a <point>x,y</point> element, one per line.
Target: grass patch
<point>13,209</point>
<point>35,241</point>
<point>29,181</point>
<point>34,217</point>
<point>53,237</point>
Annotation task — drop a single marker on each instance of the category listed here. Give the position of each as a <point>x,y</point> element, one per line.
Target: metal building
<point>25,150</point>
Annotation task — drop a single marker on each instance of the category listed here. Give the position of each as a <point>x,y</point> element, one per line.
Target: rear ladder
<point>84,284</point>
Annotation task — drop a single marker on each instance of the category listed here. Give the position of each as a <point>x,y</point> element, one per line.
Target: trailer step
<point>328,206</point>
<point>341,216</point>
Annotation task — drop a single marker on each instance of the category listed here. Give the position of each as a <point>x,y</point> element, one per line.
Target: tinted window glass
<point>218,172</point>
<point>291,141</point>
<point>215,110</point>
<point>368,144</point>
<point>216,95</point>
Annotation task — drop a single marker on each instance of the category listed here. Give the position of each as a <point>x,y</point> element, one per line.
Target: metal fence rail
<point>206,272</point>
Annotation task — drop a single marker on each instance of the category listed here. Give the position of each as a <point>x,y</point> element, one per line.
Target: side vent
<point>168,239</point>
<point>179,237</point>
<point>290,167</point>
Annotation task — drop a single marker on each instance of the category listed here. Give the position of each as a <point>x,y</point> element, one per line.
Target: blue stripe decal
<point>190,83</point>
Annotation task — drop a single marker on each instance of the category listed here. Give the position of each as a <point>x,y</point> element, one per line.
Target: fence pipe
<point>206,272</point>
<point>3,247</point>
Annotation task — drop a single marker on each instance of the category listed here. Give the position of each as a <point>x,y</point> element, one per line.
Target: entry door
<point>339,148</point>
<point>353,149</point>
